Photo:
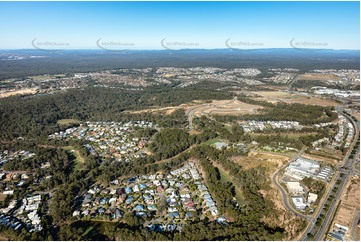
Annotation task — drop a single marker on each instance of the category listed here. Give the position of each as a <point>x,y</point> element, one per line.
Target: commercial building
<point>303,167</point>
<point>298,203</point>
<point>294,187</point>
<point>312,197</point>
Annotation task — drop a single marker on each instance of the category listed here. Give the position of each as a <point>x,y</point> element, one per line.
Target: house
<point>92,191</point>
<point>186,176</point>
<point>76,213</point>
<point>20,183</point>
<point>101,211</point>
<point>210,203</point>
<point>170,190</point>
<point>150,202</point>
<point>152,207</point>
<point>173,204</point>
<point>171,210</point>
<point>147,197</point>
<point>34,217</point>
<point>128,190</point>
<point>85,212</point>
<point>87,199</point>
<point>142,186</point>
<point>189,215</point>
<point>171,227</point>
<point>222,220</point>
<point>160,189</point>
<point>121,198</point>
<point>174,215</point>
<point>104,200</point>
<point>24,176</point>
<point>129,200</point>
<point>152,192</point>
<point>8,192</point>
<point>139,207</point>
<point>118,214</point>
<point>136,188</point>
<point>141,214</point>
<point>112,200</point>
<point>164,183</point>
<point>121,191</point>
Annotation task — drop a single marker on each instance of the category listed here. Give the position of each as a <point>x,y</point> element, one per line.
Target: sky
<point>172,25</point>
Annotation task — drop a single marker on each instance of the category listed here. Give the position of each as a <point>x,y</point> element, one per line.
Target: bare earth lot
<point>321,159</point>
<point>26,91</point>
<point>319,77</point>
<point>198,108</point>
<point>233,107</point>
<point>349,206</point>
<point>277,96</point>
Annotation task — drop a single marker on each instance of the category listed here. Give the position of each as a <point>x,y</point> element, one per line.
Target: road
<point>284,193</point>
<point>320,232</point>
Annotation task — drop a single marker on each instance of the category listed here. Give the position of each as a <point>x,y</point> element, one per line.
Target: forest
<point>72,61</point>
<point>35,117</point>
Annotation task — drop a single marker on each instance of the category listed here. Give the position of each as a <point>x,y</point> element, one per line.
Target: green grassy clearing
<point>68,121</point>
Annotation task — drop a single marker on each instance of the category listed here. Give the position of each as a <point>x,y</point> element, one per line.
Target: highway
<point>320,232</point>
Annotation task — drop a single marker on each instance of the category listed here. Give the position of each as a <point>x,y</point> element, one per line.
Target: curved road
<point>190,112</point>
<point>284,193</point>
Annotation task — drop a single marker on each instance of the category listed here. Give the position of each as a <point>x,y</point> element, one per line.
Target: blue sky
<point>143,25</point>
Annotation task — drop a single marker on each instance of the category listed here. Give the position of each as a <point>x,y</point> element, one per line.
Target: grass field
<point>68,121</point>
<point>79,160</point>
<point>225,177</point>
<point>213,141</point>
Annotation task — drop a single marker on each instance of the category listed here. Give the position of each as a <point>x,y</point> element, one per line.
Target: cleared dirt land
<point>26,91</point>
<point>350,205</point>
<point>322,159</point>
<point>272,162</point>
<point>233,107</point>
<point>199,108</point>
<point>277,96</point>
<point>166,110</point>
<point>319,77</point>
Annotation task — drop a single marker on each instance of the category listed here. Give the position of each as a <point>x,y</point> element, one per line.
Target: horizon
<point>177,50</point>
<point>179,25</point>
